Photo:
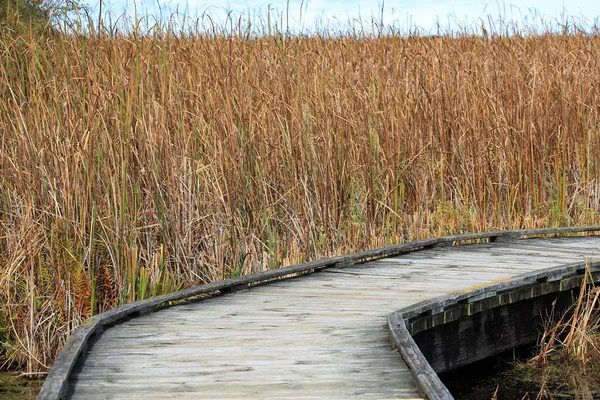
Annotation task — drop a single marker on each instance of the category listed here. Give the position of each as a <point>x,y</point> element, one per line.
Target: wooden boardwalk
<point>320,336</point>
<point>317,336</point>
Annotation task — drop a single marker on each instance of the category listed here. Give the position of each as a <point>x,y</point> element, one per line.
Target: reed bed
<point>134,164</point>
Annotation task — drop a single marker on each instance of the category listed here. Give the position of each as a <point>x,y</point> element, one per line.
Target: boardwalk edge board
<point>401,324</point>
<point>56,382</point>
<point>424,376</point>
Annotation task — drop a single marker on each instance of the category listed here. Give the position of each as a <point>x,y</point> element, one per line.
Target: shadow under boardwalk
<point>318,336</point>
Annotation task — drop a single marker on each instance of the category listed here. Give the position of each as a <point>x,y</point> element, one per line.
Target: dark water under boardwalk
<point>515,375</point>
<point>493,377</point>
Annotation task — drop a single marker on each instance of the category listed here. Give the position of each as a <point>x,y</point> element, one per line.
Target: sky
<point>427,15</point>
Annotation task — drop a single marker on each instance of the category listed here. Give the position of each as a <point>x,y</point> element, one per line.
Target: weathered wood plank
<point>428,381</point>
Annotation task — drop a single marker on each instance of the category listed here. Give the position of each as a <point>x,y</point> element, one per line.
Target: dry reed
<point>133,164</point>
<point>568,359</point>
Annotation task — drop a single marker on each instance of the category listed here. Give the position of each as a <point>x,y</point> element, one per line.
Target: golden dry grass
<point>136,164</point>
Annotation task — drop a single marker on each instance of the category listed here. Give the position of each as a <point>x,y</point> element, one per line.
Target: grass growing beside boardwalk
<point>133,164</point>
<point>568,361</point>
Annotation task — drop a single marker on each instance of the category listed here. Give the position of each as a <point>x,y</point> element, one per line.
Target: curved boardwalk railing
<point>322,336</point>
<point>407,322</point>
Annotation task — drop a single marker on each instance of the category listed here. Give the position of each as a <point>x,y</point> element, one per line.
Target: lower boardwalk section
<point>319,336</point>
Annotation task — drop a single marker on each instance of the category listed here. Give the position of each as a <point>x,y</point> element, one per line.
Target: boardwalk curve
<point>319,336</point>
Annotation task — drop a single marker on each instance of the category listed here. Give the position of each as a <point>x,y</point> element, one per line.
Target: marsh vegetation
<point>135,162</point>
<point>567,363</point>
<point>563,364</point>
<point>17,387</point>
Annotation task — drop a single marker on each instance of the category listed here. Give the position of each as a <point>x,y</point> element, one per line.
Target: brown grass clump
<point>568,361</point>
<point>135,164</point>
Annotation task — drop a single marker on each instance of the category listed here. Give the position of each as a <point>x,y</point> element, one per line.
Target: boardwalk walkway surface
<point>317,336</point>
